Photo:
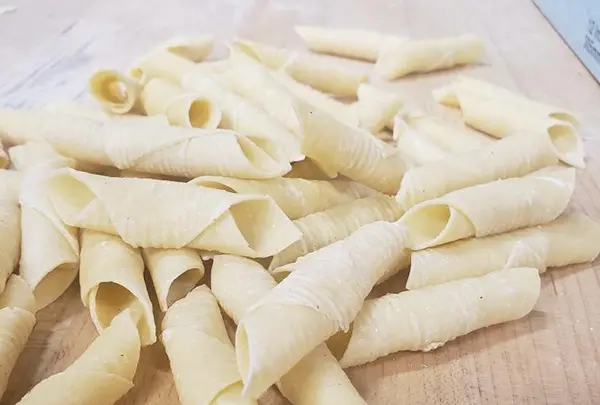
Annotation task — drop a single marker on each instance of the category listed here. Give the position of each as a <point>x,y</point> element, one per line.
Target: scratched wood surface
<point>48,49</point>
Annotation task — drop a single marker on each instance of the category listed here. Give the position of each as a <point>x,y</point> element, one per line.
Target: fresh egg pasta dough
<point>426,319</point>
<point>195,49</point>
<point>100,376</point>
<point>352,152</point>
<point>37,154</point>
<point>320,297</point>
<point>163,64</point>
<point>134,145</point>
<point>511,157</point>
<point>238,283</point>
<point>17,318</point>
<point>167,214</point>
<point>569,239</point>
<point>415,147</point>
<point>112,281</point>
<point>400,58</point>
<point>174,272</point>
<point>376,107</point>
<point>326,227</point>
<point>349,43</point>
<point>10,223</point>
<point>200,352</point>
<point>184,109</point>
<point>309,170</point>
<point>296,197</point>
<point>499,113</point>
<point>118,94</point>
<point>3,157</point>
<point>491,208</point>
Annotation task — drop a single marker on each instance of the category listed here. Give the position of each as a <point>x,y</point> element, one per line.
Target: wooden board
<point>49,48</point>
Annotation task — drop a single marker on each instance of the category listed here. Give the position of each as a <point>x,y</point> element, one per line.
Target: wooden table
<point>48,49</point>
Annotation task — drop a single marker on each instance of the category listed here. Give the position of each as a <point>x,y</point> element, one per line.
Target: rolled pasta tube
<point>163,64</point>
<point>245,117</point>
<point>569,239</point>
<point>316,195</point>
<point>349,43</point>
<point>511,157</point>
<point>185,152</point>
<point>174,272</point>
<point>238,283</point>
<point>423,320</point>
<point>490,208</point>
<point>167,214</point>
<point>502,116</point>
<point>77,109</point>
<point>376,107</point>
<point>352,152</point>
<point>100,376</point>
<point>116,93</point>
<point>326,227</point>
<point>3,157</point>
<point>160,97</point>
<point>195,49</point>
<point>17,318</point>
<point>320,297</point>
<point>415,146</point>
<point>200,352</point>
<point>309,170</point>
<point>112,281</point>
<point>10,223</point>
<point>400,58</point>
<point>34,154</point>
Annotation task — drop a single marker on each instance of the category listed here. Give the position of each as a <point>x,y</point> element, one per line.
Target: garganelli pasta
<point>163,64</point>
<point>117,93</point>
<point>195,49</point>
<point>239,283</point>
<point>37,154</point>
<point>3,157</point>
<point>10,223</point>
<point>417,148</point>
<point>376,108</point>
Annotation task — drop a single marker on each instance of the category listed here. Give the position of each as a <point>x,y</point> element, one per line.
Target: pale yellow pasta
<point>35,154</point>
<point>321,296</point>
<point>17,318</point>
<point>499,113</point>
<point>426,319</point>
<point>200,352</point>
<point>195,49</point>
<point>161,97</point>
<point>352,152</point>
<point>305,68</point>
<point>569,239</point>
<point>400,58</point>
<point>117,93</point>
<point>491,208</point>
<point>243,116</point>
<point>100,376</point>
<point>10,223</point>
<point>376,107</point>
<point>81,110</point>
<point>417,148</point>
<point>296,197</point>
<point>309,170</point>
<point>510,157</point>
<point>167,214</point>
<point>3,157</point>
<point>326,227</point>
<point>317,379</point>
<point>135,145</point>
<point>349,43</point>
<point>163,64</point>
<point>174,272</point>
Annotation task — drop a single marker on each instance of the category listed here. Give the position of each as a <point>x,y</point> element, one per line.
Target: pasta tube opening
<point>54,284</point>
<point>69,195</point>
<point>117,93</point>
<point>262,159</point>
<point>200,113</point>
<point>183,284</point>
<point>567,143</point>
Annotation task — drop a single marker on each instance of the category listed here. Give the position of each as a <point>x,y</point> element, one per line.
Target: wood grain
<point>49,48</point>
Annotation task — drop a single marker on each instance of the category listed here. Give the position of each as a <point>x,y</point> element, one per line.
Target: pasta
<point>160,97</point>
<point>35,154</point>
<point>426,319</point>
<point>511,157</point>
<point>490,208</point>
<point>352,152</point>
<point>200,352</point>
<point>174,272</point>
<point>326,227</point>
<point>569,239</point>
<point>100,376</point>
<point>375,107</point>
<point>10,223</point>
<point>321,296</point>
<point>296,197</point>
<point>166,214</point>
<point>245,117</point>
<point>195,49</point>
<point>499,113</point>
<point>17,318</point>
<point>3,157</point>
<point>415,147</point>
<point>118,94</point>
<point>162,64</point>
<point>400,58</point>
<point>141,147</point>
<point>309,170</point>
<point>356,44</point>
<point>317,379</point>
<point>305,68</point>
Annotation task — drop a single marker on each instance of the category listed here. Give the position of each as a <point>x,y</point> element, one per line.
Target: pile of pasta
<point>254,165</point>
